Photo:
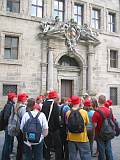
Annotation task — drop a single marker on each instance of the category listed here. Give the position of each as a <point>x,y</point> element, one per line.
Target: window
<point>113,59</point>
<point>78,13</point>
<point>11,47</point>
<point>96,18</point>
<point>68,61</point>
<point>111,22</point>
<point>13,6</point>
<point>113,95</point>
<point>59,9</point>
<point>37,8</point>
<point>9,88</point>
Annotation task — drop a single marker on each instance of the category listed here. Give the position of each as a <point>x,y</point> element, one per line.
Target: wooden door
<point>66,88</point>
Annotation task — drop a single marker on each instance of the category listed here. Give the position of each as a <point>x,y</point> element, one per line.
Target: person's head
<point>39,99</point>
<point>22,98</point>
<point>53,95</point>
<point>64,100</point>
<point>36,107</point>
<point>87,105</point>
<point>75,101</point>
<point>101,99</point>
<point>94,102</point>
<point>30,104</point>
<point>86,96</point>
<point>12,96</point>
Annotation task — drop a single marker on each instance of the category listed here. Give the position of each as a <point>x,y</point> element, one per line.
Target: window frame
<point>114,61</point>
<point>112,24</point>
<point>94,19</point>
<point>81,6</point>
<point>11,47</point>
<point>12,2</point>
<point>116,98</point>
<point>58,10</point>
<point>109,68</point>
<point>36,8</point>
<point>4,84</point>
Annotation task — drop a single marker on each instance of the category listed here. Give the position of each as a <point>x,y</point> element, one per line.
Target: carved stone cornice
<point>70,31</point>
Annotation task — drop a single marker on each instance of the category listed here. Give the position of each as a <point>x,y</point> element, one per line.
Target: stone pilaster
<point>84,78</point>
<point>50,69</point>
<point>90,82</point>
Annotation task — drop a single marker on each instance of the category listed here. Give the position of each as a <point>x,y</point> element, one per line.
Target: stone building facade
<point>32,61</point>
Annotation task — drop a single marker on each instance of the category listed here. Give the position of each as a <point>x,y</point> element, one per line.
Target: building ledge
<point>11,62</point>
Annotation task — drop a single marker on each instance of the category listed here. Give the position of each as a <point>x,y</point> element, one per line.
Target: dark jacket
<point>54,118</point>
<point>7,111</point>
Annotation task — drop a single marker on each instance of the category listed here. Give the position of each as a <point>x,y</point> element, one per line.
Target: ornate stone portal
<point>72,34</point>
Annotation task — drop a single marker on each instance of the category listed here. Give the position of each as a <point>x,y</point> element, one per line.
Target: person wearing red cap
<point>8,142</point>
<point>35,149</point>
<point>78,141</point>
<point>90,128</point>
<point>39,100</point>
<point>51,110</point>
<point>21,110</point>
<point>103,146</point>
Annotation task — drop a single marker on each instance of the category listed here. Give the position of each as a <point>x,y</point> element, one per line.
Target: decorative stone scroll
<point>72,32</point>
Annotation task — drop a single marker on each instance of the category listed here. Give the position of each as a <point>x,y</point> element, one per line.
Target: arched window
<point>68,61</point>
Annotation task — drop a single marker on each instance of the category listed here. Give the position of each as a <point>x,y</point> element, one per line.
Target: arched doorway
<point>69,75</point>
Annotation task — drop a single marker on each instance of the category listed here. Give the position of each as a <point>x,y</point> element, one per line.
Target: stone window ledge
<point>11,62</point>
<point>117,70</point>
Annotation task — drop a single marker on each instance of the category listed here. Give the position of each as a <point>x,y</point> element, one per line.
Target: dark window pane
<point>113,95</point>
<point>9,88</point>
<point>11,48</point>
<point>7,54</point>
<point>13,6</point>
<point>7,42</point>
<point>113,59</point>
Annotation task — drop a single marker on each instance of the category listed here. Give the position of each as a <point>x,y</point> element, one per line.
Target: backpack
<point>2,122</point>
<point>14,123</point>
<point>61,117</point>
<point>32,129</point>
<point>107,131</point>
<point>75,122</point>
<point>117,128</point>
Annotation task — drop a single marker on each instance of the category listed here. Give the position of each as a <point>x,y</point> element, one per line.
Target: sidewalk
<point>115,147</point>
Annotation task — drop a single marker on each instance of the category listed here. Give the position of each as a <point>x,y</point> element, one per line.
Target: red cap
<point>87,103</point>
<point>22,97</point>
<point>69,100</point>
<point>75,100</point>
<point>36,106</point>
<point>106,104</point>
<point>110,102</point>
<point>39,98</point>
<point>11,95</point>
<point>52,95</point>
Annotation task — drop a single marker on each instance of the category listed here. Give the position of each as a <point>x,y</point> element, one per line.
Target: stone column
<point>84,78</point>
<point>90,81</point>
<point>50,69</point>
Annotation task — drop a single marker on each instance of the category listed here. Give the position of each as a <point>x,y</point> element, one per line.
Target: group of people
<point>67,128</point>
